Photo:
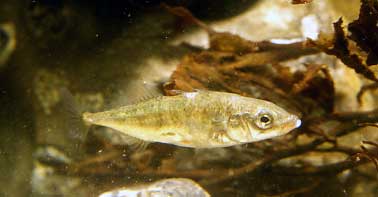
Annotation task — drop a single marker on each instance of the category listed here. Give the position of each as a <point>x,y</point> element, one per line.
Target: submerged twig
<point>327,169</point>
<point>364,89</point>
<point>356,117</point>
<point>300,1</point>
<point>186,15</point>
<point>312,70</point>
<point>301,190</point>
<point>372,156</point>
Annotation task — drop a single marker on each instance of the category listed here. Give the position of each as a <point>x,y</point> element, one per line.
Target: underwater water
<point>60,59</point>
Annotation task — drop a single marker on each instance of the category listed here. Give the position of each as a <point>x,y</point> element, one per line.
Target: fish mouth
<point>293,122</point>
<point>298,123</point>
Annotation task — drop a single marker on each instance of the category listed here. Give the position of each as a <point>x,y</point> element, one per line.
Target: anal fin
<point>119,138</point>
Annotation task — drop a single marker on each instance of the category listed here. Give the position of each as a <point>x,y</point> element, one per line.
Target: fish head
<point>259,122</point>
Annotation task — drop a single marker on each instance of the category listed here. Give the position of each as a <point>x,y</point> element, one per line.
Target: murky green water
<point>100,50</point>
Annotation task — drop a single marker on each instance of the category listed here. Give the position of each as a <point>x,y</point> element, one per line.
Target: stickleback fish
<point>203,119</point>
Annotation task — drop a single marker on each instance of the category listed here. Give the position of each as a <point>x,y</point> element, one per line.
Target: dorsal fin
<point>150,90</point>
<point>144,90</point>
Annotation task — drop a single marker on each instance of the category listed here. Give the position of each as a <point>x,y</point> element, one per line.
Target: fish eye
<point>264,121</point>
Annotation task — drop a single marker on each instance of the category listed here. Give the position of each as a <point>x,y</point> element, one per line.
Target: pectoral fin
<point>219,130</point>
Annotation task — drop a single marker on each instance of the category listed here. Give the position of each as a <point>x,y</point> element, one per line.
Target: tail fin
<point>76,130</point>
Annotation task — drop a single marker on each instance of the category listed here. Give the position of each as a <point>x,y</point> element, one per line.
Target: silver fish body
<point>173,187</point>
<point>203,119</point>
